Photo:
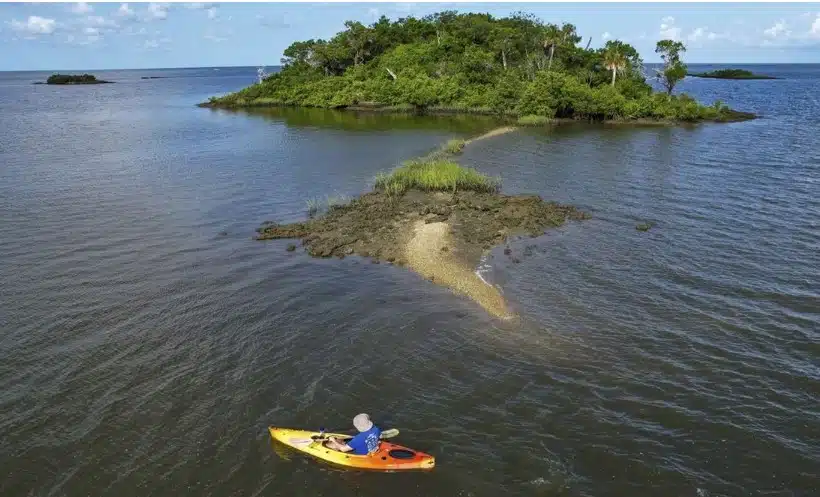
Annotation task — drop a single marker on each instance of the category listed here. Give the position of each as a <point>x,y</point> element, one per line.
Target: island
<point>512,67</point>
<point>74,79</point>
<point>432,215</point>
<point>730,74</point>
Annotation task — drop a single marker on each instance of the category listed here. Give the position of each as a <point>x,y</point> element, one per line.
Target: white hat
<point>362,422</point>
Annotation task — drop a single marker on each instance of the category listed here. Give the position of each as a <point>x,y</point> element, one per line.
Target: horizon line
<point>279,65</point>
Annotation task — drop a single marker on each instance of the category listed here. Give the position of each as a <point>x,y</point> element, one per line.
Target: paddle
<point>392,432</point>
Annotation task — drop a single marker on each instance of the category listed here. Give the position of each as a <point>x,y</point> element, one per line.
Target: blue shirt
<point>365,442</point>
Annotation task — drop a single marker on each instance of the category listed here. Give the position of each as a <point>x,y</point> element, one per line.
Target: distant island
<point>730,74</point>
<point>513,67</point>
<point>74,79</point>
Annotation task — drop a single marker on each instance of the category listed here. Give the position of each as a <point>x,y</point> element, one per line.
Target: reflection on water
<point>369,121</point>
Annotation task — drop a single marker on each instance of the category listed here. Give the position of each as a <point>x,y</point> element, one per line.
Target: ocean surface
<point>147,342</point>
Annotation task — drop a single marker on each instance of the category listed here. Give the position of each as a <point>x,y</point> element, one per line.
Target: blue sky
<point>62,36</point>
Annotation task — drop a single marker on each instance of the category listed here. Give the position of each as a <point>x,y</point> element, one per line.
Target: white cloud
<point>606,35</point>
<point>212,13</point>
<point>81,8</point>
<point>158,10</point>
<point>373,13</point>
<point>214,38</point>
<point>91,31</point>
<point>125,11</point>
<point>699,35</point>
<point>815,27</point>
<point>779,28</point>
<point>35,25</point>
<point>668,29</point>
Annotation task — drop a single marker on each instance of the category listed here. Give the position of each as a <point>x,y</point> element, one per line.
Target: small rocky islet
<point>729,74</point>
<point>433,216</point>
<point>377,225</point>
<point>73,79</point>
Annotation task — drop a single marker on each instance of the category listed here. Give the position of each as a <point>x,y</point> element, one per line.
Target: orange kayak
<point>389,456</point>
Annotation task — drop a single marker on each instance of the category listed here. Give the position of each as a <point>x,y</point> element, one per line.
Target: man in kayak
<point>366,442</point>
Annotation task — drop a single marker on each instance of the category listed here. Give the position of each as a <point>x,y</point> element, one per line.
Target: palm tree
<point>614,61</point>
<point>552,36</point>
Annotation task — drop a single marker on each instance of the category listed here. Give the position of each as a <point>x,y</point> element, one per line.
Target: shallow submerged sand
<point>428,253</point>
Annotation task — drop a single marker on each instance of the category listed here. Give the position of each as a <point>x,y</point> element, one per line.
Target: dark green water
<point>146,342</point>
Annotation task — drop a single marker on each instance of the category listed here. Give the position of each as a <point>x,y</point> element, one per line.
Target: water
<point>146,342</point>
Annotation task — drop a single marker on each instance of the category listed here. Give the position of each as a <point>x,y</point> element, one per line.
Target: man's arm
<point>341,447</point>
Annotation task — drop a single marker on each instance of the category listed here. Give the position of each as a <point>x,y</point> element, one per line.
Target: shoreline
<point>508,118</point>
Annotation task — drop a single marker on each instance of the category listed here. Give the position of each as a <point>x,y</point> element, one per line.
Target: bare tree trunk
<point>504,58</point>
<point>588,42</point>
<point>552,52</point>
<point>392,74</point>
<point>614,69</point>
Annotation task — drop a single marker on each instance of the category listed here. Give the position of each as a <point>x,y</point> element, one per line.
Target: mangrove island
<point>513,67</point>
<point>74,79</point>
<point>729,74</point>
<point>432,214</point>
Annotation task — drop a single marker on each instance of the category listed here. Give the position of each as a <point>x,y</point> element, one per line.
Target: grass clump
<point>435,175</point>
<point>316,205</point>
<point>533,120</point>
<point>454,146</point>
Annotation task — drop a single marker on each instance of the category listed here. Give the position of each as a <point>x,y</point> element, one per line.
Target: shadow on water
<point>369,121</point>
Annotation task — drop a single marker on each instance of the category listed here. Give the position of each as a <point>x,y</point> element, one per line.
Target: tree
<point>502,40</point>
<point>614,61</point>
<point>359,39</point>
<point>673,69</point>
<point>634,64</point>
<point>552,37</point>
<point>298,53</point>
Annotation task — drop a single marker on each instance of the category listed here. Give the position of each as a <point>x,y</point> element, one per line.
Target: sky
<point>96,36</point>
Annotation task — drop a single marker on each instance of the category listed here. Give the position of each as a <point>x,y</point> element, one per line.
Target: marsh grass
<point>531,120</point>
<point>454,146</point>
<point>435,175</point>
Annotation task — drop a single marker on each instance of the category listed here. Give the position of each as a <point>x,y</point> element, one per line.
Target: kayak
<point>388,457</point>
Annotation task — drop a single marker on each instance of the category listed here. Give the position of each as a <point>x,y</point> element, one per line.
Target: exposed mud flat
<point>438,235</point>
